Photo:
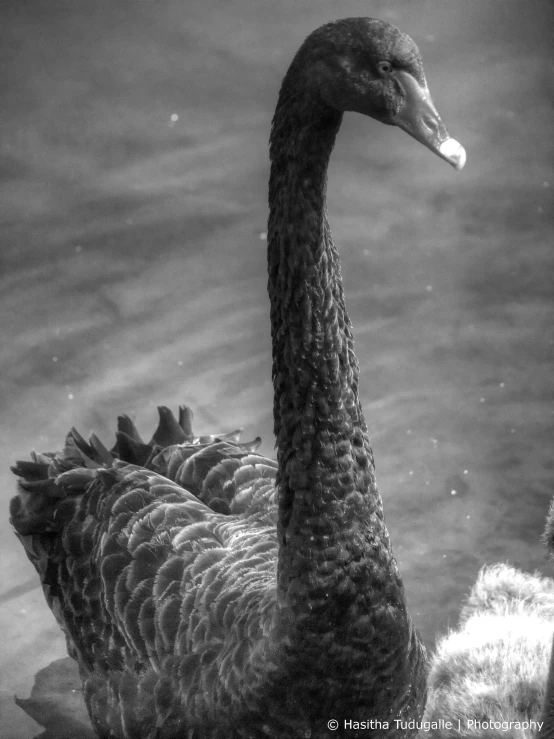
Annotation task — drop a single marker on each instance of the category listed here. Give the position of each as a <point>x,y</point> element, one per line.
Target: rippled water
<point>133,272</point>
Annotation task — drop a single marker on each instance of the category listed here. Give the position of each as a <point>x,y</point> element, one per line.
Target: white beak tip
<point>454,153</point>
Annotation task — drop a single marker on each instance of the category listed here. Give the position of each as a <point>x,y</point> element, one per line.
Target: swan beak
<point>419,117</point>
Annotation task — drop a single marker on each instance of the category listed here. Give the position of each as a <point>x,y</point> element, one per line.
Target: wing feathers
<point>152,587</point>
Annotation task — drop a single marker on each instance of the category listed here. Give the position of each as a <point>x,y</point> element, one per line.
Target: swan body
<point>207,592</point>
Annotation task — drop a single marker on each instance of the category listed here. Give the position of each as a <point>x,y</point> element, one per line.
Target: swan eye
<point>385,68</point>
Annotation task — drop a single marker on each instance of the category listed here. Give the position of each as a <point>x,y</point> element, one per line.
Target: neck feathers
<point>336,572</point>
<point>323,449</point>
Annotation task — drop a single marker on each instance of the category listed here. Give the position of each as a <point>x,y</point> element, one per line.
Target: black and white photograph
<point>276,369</point>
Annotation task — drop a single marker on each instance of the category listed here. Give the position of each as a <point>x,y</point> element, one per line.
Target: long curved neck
<point>337,578</point>
<point>327,490</point>
<point>317,411</point>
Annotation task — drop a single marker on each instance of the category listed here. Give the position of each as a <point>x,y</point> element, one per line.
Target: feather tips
<point>144,577</point>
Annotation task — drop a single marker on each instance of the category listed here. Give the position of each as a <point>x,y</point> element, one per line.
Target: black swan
<point>207,592</point>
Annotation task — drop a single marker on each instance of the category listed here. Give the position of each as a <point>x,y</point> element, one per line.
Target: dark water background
<point>132,271</point>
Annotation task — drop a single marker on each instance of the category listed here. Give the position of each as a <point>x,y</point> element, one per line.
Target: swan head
<point>369,66</point>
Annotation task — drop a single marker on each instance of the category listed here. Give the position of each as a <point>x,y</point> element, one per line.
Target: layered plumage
<point>207,592</point>
<point>149,584</point>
